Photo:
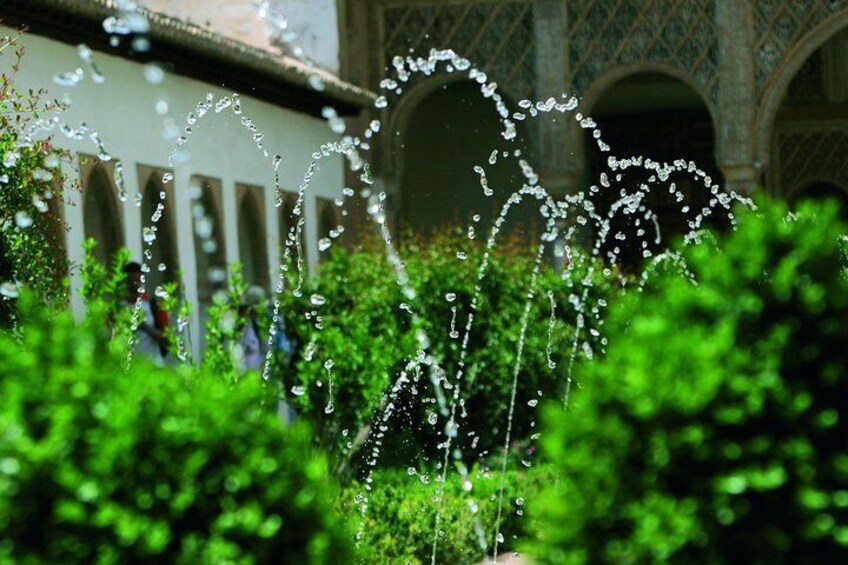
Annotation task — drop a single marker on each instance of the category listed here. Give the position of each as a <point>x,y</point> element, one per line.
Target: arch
<point>209,244</point>
<point>608,80</point>
<point>252,236</point>
<point>820,189</point>
<point>445,134</point>
<point>775,88</point>
<point>401,113</point>
<point>101,209</point>
<point>164,248</point>
<point>602,84</point>
<point>659,116</point>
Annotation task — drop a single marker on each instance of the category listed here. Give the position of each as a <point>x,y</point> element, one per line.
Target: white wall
<point>123,111</point>
<point>316,23</point>
<point>234,18</point>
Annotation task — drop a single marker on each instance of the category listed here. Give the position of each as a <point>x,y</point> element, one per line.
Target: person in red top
<point>150,336</point>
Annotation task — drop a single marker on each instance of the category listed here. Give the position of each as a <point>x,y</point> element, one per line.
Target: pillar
<point>735,136</point>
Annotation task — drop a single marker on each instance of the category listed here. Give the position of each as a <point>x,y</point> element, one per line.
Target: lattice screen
<point>779,24</point>
<point>604,34</point>
<point>809,154</point>
<point>496,36</point>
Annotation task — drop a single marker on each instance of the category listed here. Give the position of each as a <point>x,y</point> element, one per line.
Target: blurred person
<point>253,346</point>
<point>150,338</point>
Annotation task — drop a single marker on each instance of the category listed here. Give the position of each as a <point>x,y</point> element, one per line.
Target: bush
<point>714,430</point>
<point>31,189</point>
<point>370,336</point>
<point>107,466</point>
<point>400,521</point>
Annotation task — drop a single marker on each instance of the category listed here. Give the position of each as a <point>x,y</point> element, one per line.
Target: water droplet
<point>23,220</point>
<point>9,289</point>
<point>324,244</point>
<point>203,227</point>
<point>69,79</point>
<point>381,102</point>
<point>141,44</point>
<point>532,403</point>
<point>149,235</point>
<point>217,275</point>
<point>316,82</point>
<point>154,73</point>
<point>317,300</point>
<point>450,296</point>
<point>298,390</point>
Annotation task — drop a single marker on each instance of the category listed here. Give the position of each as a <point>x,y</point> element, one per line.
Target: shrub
<point>369,336</point>
<point>101,465</point>
<point>714,430</point>
<point>31,188</point>
<point>400,521</point>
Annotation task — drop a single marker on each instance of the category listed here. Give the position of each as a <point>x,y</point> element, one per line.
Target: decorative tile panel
<point>604,34</point>
<point>812,153</point>
<point>496,36</point>
<point>779,24</point>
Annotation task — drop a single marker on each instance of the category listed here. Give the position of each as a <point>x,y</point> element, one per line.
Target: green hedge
<point>399,524</point>
<point>369,337</point>
<point>31,191</point>
<point>715,428</point>
<point>148,466</point>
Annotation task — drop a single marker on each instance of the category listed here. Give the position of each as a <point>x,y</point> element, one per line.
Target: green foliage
<point>224,329</point>
<point>399,525</point>
<point>98,465</point>
<point>31,188</point>
<point>714,430</point>
<point>370,337</point>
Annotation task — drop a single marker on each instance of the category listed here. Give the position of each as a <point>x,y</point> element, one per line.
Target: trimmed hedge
<point>715,428</point>
<point>369,337</point>
<point>400,522</point>
<point>148,466</point>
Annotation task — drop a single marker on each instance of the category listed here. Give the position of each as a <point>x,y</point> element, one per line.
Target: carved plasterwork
<point>496,36</point>
<point>605,34</point>
<point>779,25</point>
<point>811,154</point>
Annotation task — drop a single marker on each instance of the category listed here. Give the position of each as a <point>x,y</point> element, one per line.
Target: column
<point>558,163</point>
<point>735,138</point>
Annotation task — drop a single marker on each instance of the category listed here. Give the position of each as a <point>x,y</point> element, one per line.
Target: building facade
<point>139,142</point>
<point>756,91</point>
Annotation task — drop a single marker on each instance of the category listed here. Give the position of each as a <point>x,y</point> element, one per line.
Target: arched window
<point>663,118</point>
<point>253,247</point>
<point>809,139</point>
<point>447,133</point>
<point>210,253</point>
<point>822,191</point>
<point>164,247</point>
<point>101,209</point>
